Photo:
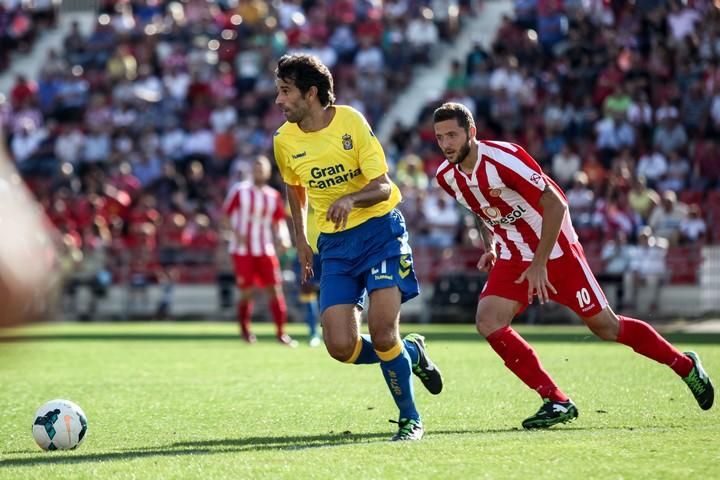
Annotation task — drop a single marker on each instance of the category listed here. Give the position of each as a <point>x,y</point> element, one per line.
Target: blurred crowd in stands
<point>20,23</point>
<point>132,133</point>
<point>620,103</point>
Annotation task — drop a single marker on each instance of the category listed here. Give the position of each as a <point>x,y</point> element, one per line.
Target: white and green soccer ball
<point>59,425</point>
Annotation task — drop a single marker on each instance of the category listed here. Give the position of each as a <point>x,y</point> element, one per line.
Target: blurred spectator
<point>643,199</point>
<point>409,173</point>
<point>443,219</point>
<point>618,103</point>
<point>695,109</point>
<point>666,218</point>
<point>678,171</point>
<point>422,34</point>
<point>617,257</point>
<point>581,201</point>
<point>565,165</point>
<point>596,173</point>
<point>648,267</point>
<point>91,270</point>
<point>613,134</point>
<point>670,134</point>
<point>706,164</point>
<point>681,20</point>
<point>619,215</point>
<point>693,229</point>
<point>22,91</point>
<point>640,112</point>
<point>26,141</point>
<point>652,166</point>
<point>69,144</point>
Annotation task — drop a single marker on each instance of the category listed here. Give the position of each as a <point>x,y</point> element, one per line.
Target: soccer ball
<point>59,425</point>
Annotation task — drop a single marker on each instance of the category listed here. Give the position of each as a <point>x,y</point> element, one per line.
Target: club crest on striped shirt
<point>535,178</point>
<point>491,212</point>
<point>495,192</point>
<point>347,142</point>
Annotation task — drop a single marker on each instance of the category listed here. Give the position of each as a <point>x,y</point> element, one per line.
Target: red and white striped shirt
<point>504,190</point>
<point>253,211</point>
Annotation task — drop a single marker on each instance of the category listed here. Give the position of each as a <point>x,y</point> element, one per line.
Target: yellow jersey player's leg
<point>329,157</point>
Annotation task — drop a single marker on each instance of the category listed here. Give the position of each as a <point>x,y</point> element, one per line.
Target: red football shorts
<point>261,271</point>
<point>570,274</point>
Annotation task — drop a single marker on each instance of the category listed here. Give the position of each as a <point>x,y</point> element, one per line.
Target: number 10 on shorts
<point>583,297</point>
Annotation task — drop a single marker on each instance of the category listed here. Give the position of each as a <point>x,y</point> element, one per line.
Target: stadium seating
<point>136,113</point>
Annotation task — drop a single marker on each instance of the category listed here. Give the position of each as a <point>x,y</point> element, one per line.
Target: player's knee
<point>486,324</point>
<point>602,333</point>
<point>384,340</point>
<point>604,328</point>
<point>339,350</point>
<point>605,332</point>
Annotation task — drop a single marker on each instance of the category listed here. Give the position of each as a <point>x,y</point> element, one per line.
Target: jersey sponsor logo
<point>494,215</point>
<point>331,176</point>
<point>347,142</point>
<point>299,155</point>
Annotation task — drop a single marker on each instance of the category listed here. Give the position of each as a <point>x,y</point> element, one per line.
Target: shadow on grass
<point>252,444</point>
<point>553,334</point>
<point>228,445</point>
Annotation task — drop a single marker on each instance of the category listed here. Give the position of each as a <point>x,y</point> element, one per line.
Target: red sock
<point>279,313</point>
<point>642,338</point>
<point>244,311</point>
<point>522,360</point>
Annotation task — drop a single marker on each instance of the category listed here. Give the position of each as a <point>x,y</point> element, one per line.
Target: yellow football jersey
<point>342,158</point>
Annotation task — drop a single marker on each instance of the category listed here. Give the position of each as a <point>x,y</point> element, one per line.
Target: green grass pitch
<point>189,400</point>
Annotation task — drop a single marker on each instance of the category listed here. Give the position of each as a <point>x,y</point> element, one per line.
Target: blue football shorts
<point>365,258</point>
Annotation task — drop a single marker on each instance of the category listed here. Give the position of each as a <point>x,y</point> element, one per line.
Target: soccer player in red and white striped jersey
<point>531,249</point>
<point>256,213</point>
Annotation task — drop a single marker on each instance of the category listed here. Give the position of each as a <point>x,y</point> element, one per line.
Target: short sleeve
<point>372,157</point>
<point>279,213</point>
<point>281,158</point>
<point>232,201</point>
<point>517,169</point>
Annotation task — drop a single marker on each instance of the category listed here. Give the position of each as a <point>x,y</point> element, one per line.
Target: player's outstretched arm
<point>378,190</point>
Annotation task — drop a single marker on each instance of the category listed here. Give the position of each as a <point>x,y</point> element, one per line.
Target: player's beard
<point>293,116</point>
<point>298,112</point>
<point>463,152</point>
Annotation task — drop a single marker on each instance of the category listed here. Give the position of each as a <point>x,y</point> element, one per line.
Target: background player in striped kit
<point>257,217</point>
<point>524,213</point>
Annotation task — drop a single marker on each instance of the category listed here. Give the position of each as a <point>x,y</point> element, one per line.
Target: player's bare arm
<point>378,190</point>
<point>487,259</point>
<point>554,210</point>
<point>297,197</point>
<point>281,236</point>
<point>226,226</point>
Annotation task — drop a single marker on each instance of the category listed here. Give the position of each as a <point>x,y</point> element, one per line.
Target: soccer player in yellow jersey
<point>328,156</point>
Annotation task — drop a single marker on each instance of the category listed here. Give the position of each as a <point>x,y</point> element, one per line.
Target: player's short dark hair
<point>457,111</point>
<point>306,71</point>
